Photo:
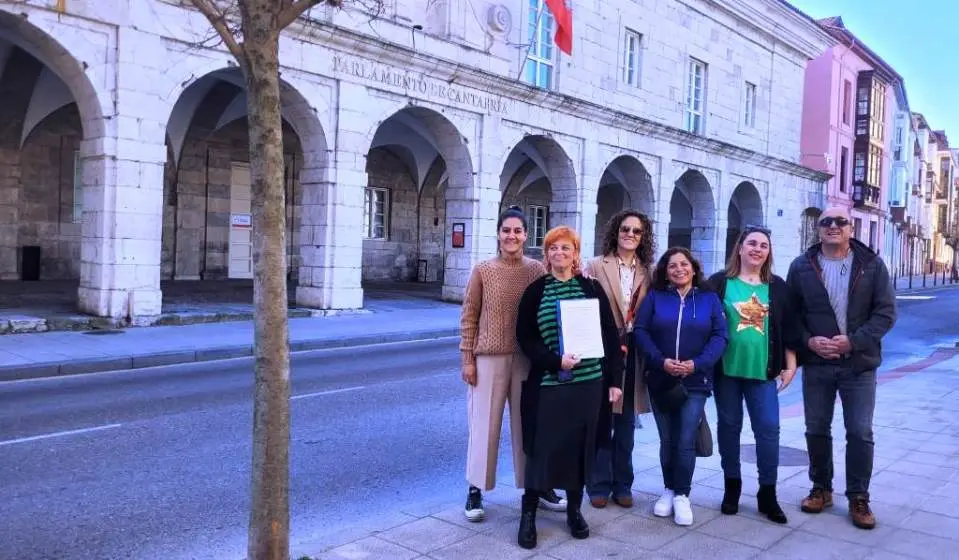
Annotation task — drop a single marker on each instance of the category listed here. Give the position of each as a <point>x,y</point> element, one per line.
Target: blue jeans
<point>677,441</point>
<point>857,391</point>
<point>612,471</point>
<point>762,403</point>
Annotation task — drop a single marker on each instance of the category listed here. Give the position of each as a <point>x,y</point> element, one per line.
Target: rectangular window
<point>874,175</point>
<point>843,168</point>
<point>873,234</point>
<point>846,101</point>
<point>862,105</point>
<point>539,62</point>
<point>538,224</point>
<point>77,188</point>
<point>857,228</point>
<point>877,117</point>
<point>749,109</point>
<point>631,50</point>
<point>375,213</point>
<point>695,97</point>
<point>859,168</point>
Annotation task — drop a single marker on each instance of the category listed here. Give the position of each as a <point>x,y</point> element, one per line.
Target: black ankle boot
<point>578,527</point>
<point>734,488</point>
<point>577,524</point>
<point>769,505</point>
<point>526,537</point>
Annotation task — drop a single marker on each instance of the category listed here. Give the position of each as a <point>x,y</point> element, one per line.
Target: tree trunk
<point>269,512</point>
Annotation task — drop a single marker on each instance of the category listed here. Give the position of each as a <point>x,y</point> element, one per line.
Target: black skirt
<point>566,420</point>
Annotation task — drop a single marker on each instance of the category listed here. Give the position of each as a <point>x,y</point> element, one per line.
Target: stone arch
<point>692,213</point>
<point>625,183</point>
<point>745,208</point>
<point>539,176</point>
<point>808,227</point>
<point>35,34</point>
<point>207,138</point>
<point>419,183</point>
<point>53,125</point>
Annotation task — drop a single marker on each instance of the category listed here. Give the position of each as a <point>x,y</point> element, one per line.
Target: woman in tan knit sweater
<point>493,366</point>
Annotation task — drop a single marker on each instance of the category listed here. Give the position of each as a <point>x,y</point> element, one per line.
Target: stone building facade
<point>124,156</point>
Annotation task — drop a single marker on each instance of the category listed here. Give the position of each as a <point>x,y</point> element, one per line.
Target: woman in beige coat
<point>624,272</point>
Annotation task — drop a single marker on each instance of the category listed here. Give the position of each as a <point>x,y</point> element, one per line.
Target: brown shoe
<point>817,500</point>
<point>598,502</point>
<point>624,500</point>
<point>861,513</point>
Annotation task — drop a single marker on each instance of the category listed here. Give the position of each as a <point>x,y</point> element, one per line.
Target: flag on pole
<point>564,25</point>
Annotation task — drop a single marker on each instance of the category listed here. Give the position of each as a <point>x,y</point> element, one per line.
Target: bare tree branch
<point>218,20</point>
<point>294,10</point>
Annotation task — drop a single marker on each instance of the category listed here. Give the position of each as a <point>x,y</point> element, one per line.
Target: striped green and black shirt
<point>554,291</point>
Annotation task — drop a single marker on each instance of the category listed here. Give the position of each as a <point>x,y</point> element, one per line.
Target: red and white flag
<point>564,25</point>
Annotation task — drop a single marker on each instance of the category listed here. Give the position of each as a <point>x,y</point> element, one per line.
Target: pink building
<point>849,107</point>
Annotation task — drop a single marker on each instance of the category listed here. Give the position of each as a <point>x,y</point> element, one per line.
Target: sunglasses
<point>751,228</point>
<point>635,231</point>
<point>828,221</point>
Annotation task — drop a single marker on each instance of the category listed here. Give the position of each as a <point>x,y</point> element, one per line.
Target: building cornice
<point>790,26</point>
<point>351,42</point>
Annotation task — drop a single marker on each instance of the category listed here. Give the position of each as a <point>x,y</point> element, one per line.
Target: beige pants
<point>498,381</point>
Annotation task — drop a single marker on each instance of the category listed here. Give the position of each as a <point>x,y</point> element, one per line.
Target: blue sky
<point>916,38</point>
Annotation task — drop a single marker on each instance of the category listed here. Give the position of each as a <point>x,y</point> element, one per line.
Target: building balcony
<point>865,196</point>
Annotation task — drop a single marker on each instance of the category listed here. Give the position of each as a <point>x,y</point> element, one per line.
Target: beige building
<point>124,155</point>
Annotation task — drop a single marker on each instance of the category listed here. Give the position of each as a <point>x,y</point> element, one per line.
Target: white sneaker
<point>683,512</point>
<point>664,505</point>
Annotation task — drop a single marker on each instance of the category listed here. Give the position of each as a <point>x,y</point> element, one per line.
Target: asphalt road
<point>155,463</point>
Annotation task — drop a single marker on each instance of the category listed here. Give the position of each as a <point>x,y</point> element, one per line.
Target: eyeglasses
<point>828,221</point>
<point>635,231</point>
<point>752,228</point>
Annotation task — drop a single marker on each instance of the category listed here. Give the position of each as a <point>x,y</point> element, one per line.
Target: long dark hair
<point>646,243</point>
<point>661,279</point>
<point>512,212</point>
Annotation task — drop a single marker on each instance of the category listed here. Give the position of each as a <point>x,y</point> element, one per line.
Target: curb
<point>98,365</point>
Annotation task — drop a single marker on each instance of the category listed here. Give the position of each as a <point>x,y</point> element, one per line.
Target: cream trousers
<point>498,381</point>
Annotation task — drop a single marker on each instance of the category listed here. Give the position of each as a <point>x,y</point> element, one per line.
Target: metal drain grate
<point>104,331</point>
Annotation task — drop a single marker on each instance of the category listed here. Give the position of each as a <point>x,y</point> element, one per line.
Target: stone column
<point>122,224</point>
<point>589,189</point>
<point>122,175</point>
<point>9,212</point>
<point>664,185</point>
<point>331,243</point>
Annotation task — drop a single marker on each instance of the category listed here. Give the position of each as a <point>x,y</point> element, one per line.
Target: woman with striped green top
<point>566,400</point>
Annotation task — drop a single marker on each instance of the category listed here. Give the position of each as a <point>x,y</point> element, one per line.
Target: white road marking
<point>59,434</point>
<point>348,389</point>
<point>321,393</point>
<point>916,297</point>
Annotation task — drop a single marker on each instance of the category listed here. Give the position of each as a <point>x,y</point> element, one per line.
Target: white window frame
<point>749,105</point>
<point>538,223</point>
<point>694,110</point>
<point>77,188</point>
<point>632,52</point>
<point>540,56</point>
<point>369,213</point>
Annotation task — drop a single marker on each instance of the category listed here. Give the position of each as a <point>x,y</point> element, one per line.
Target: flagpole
<point>529,45</point>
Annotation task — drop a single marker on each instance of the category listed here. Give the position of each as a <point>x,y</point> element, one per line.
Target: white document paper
<point>580,330</point>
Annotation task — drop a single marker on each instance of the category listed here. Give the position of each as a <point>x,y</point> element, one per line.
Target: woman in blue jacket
<point>681,328</point>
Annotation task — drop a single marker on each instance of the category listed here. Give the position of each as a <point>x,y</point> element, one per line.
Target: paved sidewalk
<point>914,491</point>
<point>26,356</point>
<point>902,283</point>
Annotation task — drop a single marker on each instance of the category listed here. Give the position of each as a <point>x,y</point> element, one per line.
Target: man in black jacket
<point>846,305</point>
